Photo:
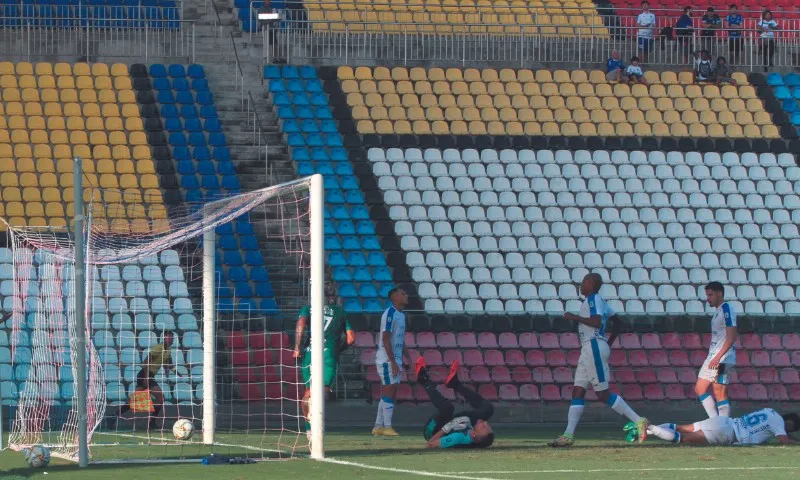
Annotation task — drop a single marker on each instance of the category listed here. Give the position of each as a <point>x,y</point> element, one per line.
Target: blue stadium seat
<point>359,212</point>
<point>192,125</point>
<point>294,86</point>
<point>352,305</point>
<point>222,154</point>
<point>774,79</point>
<point>243,290</point>
<point>324,168</point>
<point>196,71</point>
<point>212,125</point>
<point>336,259</point>
<point>309,126</point>
<point>376,259</point>
<point>347,290</point>
<point>308,72</point>
<point>356,259</point>
<point>345,227</point>
<point>244,227</point>
<point>370,242</point>
<point>289,71</point>
<point>382,274</point>
<point>224,292</point>
<point>206,167</point>
<point>189,111</point>
<point>304,112</point>
<point>177,139</point>
<point>181,153</point>
<point>184,98</point>
<point>285,112</point>
<point>259,274</point>
<point>373,306</point>
<point>216,139</point>
<point>367,290</point>
<point>177,71</point>
<point>233,259</point>
<point>272,71</point>
<point>169,111</point>
<point>186,167</point>
<point>300,99</point>
<point>162,83</point>
<point>173,125</point>
<point>365,227</point>
<point>342,274</point>
<point>197,139</point>
<point>228,242</point>
<point>248,242</point>
<point>254,258</point>
<point>305,169</point>
<point>268,305</point>
<point>349,182</point>
<point>190,182</point>
<point>782,93</point>
<point>180,84</point>
<point>264,289</point>
<point>323,112</point>
<point>158,70</point>
<point>354,197</point>
<point>230,183</point>
<point>350,243</point>
<point>792,80</point>
<point>205,98</point>
<point>225,167</point>
<point>200,85</point>
<point>329,126</point>
<point>362,274</point>
<point>332,243</point>
<point>165,97</point>
<point>276,85</point>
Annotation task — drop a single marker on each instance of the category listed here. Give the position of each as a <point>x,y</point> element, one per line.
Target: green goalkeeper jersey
<point>335,324</point>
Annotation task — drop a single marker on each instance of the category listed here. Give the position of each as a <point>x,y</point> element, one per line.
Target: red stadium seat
<point>466,340</point>
<point>404,393</point>
<point>509,393</point>
<point>515,358</point>
<point>706,340</point>
<point>235,340</point>
<point>794,393</point>
<point>674,391</point>
<point>548,340</point>
<point>768,375</point>
<point>294,392</point>
<point>630,341</point>
<point>413,355</point>
<point>494,357</point>
<point>410,340</point>
<point>473,357</point>
<point>249,392</point>
<point>420,395</point>
<point>535,358</point>
<point>667,375</point>
<point>697,357</point>
<point>432,357</point>
<point>566,392</point>
<point>521,375</point>
<point>742,359</point>
<point>777,393</point>
<point>426,340</point>
<point>638,358</point>
<point>679,358</point>
<point>368,357</point>
<point>687,376</point>
<point>556,358</point>
<point>751,341</point>
<point>760,358</point>
<point>542,375</point>
<point>671,341</point>
<point>790,376</point>
<point>646,376</point>
<point>757,392</point>
<point>569,340</point>
<point>528,340</point>
<point>272,373</point>
<point>791,341</point>
<point>501,375</point>
<point>562,375</point>
<point>653,392</point>
<point>258,340</point>
<point>658,358</point>
<point>781,359</point>
<point>551,393</point>
<point>747,375</point>
<point>463,374</point>
<point>796,358</point>
<point>247,374</point>
<point>272,391</point>
<point>279,340</point>
<point>488,391</point>
<point>438,373</point>
<point>446,340</point>
<point>572,357</point>
<point>451,356</point>
<point>240,357</point>
<point>506,340</point>
<point>618,359</point>
<point>651,341</point>
<point>278,356</point>
<point>691,341</point>
<point>448,393</point>
<point>489,340</point>
<point>737,391</point>
<point>772,341</point>
<point>632,392</point>
<point>365,340</point>
<point>624,375</point>
<point>372,375</point>
<point>377,392</point>
<point>529,392</point>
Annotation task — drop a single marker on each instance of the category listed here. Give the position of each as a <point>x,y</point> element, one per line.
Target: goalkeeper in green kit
<point>335,325</point>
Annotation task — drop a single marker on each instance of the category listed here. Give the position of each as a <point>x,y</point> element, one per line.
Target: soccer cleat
<point>563,441</point>
<point>421,371</point>
<point>633,432</point>
<point>389,432</point>
<point>641,426</point>
<point>452,376</point>
<point>377,431</point>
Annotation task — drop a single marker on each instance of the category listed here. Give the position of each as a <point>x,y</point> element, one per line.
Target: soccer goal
<point>165,312</point>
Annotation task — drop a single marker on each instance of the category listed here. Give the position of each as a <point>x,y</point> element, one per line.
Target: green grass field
<point>518,453</point>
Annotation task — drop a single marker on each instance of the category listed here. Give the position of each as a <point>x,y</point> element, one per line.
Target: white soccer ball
<point>183,429</point>
<point>37,456</point>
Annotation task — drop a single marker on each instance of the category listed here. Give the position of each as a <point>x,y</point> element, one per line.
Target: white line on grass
<point>609,470</point>
<point>457,475</point>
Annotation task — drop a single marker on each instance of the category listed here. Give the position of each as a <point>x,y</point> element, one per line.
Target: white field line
<point>610,470</point>
<point>456,475</point>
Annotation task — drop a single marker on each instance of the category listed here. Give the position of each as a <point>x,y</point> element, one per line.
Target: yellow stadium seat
<point>11,95</point>
<point>700,104</point>
<point>678,130</point>
<point>597,77</point>
<point>599,116</point>
<point>410,100</point>
<point>378,113</point>
<point>391,100</point>
<point>437,128</point>
<point>472,75</point>
<point>669,78</point>
<point>622,90</point>
<point>526,115</point>
<point>697,130</point>
<point>675,91</point>
<point>561,76</point>
<point>489,75</point>
<point>671,117</point>
<point>740,78</point>
<point>514,129</point>
<point>65,82</point>
<point>727,118</point>
<point>400,73</point>
<point>122,83</point>
<point>8,81</point>
<point>7,68</point>
<point>556,102</point>
<point>363,73</point>
<point>551,129</point>
<point>686,78</point>
<point>495,88</point>
<point>604,90</point>
<point>651,77</point>
<point>657,91</point>
<point>30,95</point>
<point>623,130</point>
<point>34,209</point>
<point>477,128</point>
<point>459,127</point>
<point>617,116</point>
<point>118,138</point>
<point>747,92</point>
<point>587,129</point>
<point>628,103</point>
<point>744,118</point>
<point>84,83</point>
<point>754,105</point>
<point>762,118</point>
<point>715,130</point>
<point>416,113</point>
<point>682,104</point>
<point>381,73</point>
<point>770,131</point>
<point>635,117</point>
<point>689,117</point>
<point>401,127</point>
<point>39,137</point>
<point>606,130</point>
<point>751,131</point>
<point>661,130</point>
<point>562,115</point>
<point>394,113</point>
<point>569,129</point>
<point>496,128</point>
<point>403,87</point>
<point>51,194</point>
<point>708,117</point>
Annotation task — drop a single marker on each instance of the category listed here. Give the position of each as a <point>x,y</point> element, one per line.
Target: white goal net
<point>188,315</point>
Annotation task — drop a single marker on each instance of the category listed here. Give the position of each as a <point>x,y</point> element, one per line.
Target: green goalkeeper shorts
<point>329,370</point>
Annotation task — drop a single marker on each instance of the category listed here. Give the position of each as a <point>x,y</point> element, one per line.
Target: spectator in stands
<point>703,68</point>
<point>614,67</point>
<point>708,35</point>
<point>684,30</point>
<point>734,23</point>
<point>766,28</point>
<point>723,73</point>
<point>634,72</point>
<point>646,22</point>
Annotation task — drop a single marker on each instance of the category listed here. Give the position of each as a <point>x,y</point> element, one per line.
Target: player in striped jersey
<point>721,355</point>
<point>751,429</point>
<point>389,359</point>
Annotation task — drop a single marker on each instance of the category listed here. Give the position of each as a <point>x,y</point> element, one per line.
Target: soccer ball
<point>37,456</point>
<point>183,429</point>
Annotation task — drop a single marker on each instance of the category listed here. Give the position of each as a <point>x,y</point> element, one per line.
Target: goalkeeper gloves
<point>457,425</point>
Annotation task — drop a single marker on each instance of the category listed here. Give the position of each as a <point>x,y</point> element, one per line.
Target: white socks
<point>379,417</point>
<point>620,406</point>
<point>387,407</point>
<point>665,431</point>
<point>724,408</point>
<point>708,403</point>
<point>574,415</point>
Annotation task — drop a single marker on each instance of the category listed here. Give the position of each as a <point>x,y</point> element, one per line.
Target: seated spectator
<point>614,67</point>
<point>723,72</point>
<point>634,72</point>
<point>703,68</point>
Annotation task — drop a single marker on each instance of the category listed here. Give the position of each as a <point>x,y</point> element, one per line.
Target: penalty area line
<point>456,475</point>
<point>611,470</point>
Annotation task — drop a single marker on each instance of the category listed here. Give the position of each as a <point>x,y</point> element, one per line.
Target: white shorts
<point>385,372</point>
<point>722,375</point>
<point>593,365</point>
<point>718,430</point>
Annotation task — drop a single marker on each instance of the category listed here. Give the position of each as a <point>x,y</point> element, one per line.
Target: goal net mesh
<point>144,326</point>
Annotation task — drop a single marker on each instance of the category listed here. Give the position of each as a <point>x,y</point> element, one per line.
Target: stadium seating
<point>155,14</point>
<point>557,18</point>
<point>549,103</point>
<point>787,91</point>
<point>353,250</point>
<point>514,231</point>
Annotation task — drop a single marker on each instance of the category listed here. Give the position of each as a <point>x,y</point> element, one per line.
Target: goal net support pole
<point>209,336</point>
<point>80,316</point>
<point>316,216</point>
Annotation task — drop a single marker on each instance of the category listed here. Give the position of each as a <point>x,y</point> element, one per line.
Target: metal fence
<point>120,39</point>
<point>407,44</point>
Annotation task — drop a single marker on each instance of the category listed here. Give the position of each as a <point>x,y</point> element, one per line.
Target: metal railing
<point>416,44</point>
<point>119,39</point>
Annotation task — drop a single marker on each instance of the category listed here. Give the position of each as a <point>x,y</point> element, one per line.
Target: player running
<point>721,355</point>
<point>593,368</point>
<point>464,429</point>
<point>751,429</point>
<point>335,325</point>
<point>148,396</point>
<point>389,359</point>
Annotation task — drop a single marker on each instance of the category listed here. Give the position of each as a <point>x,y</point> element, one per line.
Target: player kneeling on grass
<point>446,429</point>
<point>751,429</point>
<point>335,324</point>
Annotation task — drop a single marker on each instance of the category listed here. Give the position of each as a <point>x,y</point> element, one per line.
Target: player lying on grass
<point>751,429</point>
<point>446,429</point>
<point>335,325</point>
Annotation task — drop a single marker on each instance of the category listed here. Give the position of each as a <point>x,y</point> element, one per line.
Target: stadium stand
<point>787,91</point>
<point>157,14</point>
